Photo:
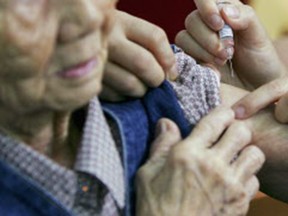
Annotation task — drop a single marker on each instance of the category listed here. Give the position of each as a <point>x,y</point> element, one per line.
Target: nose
<point>79,18</point>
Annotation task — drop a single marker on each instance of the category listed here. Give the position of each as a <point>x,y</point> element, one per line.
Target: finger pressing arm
<point>263,97</point>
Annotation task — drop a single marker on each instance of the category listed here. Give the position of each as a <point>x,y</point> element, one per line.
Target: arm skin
<point>272,138</point>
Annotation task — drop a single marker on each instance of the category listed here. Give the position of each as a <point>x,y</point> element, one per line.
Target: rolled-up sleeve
<point>197,87</point>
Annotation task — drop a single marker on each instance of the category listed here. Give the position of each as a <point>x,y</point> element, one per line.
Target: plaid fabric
<point>197,87</point>
<point>101,160</point>
<point>96,186</point>
<point>59,181</point>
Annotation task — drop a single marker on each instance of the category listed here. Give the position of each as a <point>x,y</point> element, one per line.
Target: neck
<point>45,132</point>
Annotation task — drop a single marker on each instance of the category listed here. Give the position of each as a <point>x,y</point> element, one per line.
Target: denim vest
<point>136,120</point>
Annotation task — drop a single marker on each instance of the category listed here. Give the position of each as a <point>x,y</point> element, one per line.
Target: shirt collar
<point>98,154</point>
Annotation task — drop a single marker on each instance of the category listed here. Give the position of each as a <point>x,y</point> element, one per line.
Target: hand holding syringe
<point>253,48</point>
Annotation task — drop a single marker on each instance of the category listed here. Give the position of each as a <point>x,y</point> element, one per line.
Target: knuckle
<point>218,118</point>
<point>158,35</point>
<point>275,87</point>
<point>189,20</point>
<point>208,125</point>
<point>181,37</point>
<point>133,86</point>
<point>113,45</point>
<point>250,10</point>
<point>256,156</point>
<point>148,69</point>
<point>241,132</point>
<point>207,167</point>
<point>142,60</point>
<point>212,44</point>
<point>179,156</point>
<point>167,59</point>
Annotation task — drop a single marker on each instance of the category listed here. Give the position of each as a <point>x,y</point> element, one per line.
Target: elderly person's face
<point>52,52</point>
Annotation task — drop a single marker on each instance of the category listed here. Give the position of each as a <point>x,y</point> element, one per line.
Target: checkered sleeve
<point>197,87</point>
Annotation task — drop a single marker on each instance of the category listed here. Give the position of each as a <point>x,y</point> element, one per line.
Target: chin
<point>69,101</point>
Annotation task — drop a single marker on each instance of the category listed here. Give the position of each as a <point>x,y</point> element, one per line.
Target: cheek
<point>26,46</point>
<point>20,97</point>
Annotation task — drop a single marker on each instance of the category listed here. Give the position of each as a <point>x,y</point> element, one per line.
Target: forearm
<point>272,138</point>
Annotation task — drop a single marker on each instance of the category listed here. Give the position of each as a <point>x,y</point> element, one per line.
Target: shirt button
<point>85,188</point>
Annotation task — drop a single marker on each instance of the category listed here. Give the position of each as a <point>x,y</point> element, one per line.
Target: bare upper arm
<point>231,94</point>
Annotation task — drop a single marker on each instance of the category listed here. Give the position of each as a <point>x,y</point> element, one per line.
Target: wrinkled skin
<point>200,175</point>
<point>38,39</point>
<point>41,40</point>
<point>33,93</point>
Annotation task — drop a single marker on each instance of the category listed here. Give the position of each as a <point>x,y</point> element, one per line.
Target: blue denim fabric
<point>21,197</point>
<point>136,120</point>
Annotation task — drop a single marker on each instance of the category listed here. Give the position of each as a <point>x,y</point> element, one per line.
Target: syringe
<point>227,39</point>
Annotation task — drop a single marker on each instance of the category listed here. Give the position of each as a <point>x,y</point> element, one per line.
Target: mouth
<point>79,70</point>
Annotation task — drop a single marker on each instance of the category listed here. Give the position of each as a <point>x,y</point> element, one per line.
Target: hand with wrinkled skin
<point>272,138</point>
<point>255,59</point>
<point>139,57</point>
<point>200,175</point>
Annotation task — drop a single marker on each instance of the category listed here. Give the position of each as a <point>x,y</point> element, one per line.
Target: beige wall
<point>273,14</point>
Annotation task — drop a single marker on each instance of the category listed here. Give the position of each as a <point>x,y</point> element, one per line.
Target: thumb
<point>167,135</point>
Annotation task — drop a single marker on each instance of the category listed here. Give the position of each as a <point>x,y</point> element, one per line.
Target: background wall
<point>273,14</point>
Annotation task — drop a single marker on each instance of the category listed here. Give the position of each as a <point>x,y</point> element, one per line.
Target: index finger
<point>154,39</point>
<point>210,13</point>
<point>260,98</point>
<point>209,129</point>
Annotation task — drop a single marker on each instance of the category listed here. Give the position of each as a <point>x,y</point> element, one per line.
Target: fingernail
<point>222,54</point>
<point>240,112</point>
<point>161,128</point>
<point>231,11</point>
<point>226,53</point>
<point>216,21</point>
<point>173,73</point>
